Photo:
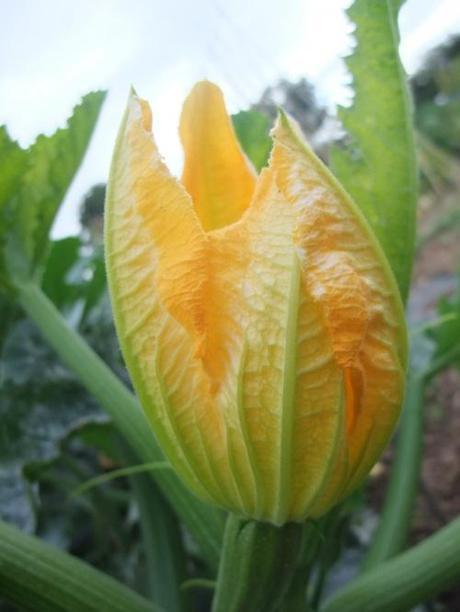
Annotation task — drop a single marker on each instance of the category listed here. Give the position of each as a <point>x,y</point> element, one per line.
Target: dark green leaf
<point>63,256</point>
<point>12,165</point>
<point>252,129</point>
<point>39,403</point>
<point>446,335</point>
<point>96,287</point>
<point>96,433</point>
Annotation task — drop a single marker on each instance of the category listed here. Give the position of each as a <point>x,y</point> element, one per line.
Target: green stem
<point>393,529</point>
<point>258,565</point>
<point>296,599</point>
<point>391,534</point>
<point>407,580</point>
<point>161,540</point>
<point>204,522</point>
<point>36,576</point>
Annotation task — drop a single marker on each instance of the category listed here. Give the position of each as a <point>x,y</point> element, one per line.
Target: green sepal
<point>258,564</point>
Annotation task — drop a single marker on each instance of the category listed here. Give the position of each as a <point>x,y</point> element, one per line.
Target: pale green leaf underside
<point>377,167</point>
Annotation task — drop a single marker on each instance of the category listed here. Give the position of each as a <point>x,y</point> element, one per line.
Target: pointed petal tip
<point>204,86</point>
<point>285,125</point>
<point>133,102</point>
<point>282,116</point>
<point>286,130</point>
<point>139,110</point>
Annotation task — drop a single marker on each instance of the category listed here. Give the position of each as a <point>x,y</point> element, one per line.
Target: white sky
<point>54,51</point>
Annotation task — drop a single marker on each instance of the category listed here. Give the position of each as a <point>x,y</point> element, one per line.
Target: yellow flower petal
<point>269,353</point>
<point>153,246</point>
<point>216,172</point>
<point>349,278</point>
<point>284,385</point>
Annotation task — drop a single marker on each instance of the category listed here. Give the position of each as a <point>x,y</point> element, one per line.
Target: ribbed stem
<point>36,576</point>
<point>409,579</point>
<point>161,540</point>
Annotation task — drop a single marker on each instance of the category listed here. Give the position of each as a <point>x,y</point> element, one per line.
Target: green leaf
<point>36,576</point>
<point>63,256</point>
<point>33,183</point>
<point>378,164</point>
<point>40,401</point>
<point>101,527</point>
<point>12,165</point>
<point>97,433</point>
<point>74,280</point>
<point>53,162</point>
<point>446,335</point>
<point>252,129</point>
<point>13,160</point>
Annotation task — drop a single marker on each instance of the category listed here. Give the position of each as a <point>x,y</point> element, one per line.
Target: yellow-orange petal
<point>250,345</point>
<point>348,277</point>
<point>227,353</point>
<point>287,384</point>
<point>154,247</point>
<point>216,172</point>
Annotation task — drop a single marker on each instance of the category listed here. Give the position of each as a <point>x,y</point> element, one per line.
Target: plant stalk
<point>407,580</point>
<point>36,576</point>
<point>393,529</point>
<point>162,541</point>
<point>258,565</point>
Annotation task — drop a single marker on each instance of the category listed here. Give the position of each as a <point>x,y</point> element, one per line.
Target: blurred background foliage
<point>54,437</point>
<point>436,89</point>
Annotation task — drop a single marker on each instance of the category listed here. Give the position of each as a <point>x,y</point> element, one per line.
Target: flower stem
<point>258,565</point>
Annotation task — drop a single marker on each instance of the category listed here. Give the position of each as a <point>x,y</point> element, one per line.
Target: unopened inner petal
<point>216,172</point>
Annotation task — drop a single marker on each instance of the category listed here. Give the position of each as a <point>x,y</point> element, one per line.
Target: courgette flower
<point>257,315</point>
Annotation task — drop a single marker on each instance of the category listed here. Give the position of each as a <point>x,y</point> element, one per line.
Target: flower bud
<point>258,317</point>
